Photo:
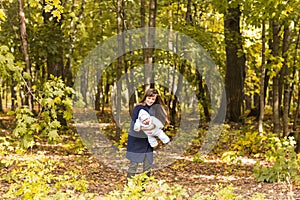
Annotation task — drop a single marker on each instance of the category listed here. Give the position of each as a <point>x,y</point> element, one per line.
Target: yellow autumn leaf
<point>48,8</point>
<point>56,13</point>
<point>2,15</point>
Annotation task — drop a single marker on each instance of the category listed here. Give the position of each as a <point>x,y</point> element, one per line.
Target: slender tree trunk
<point>276,107</point>
<point>262,79</point>
<point>188,17</point>
<point>181,66</point>
<point>144,43</point>
<point>149,66</point>
<point>13,94</point>
<point>99,92</point>
<point>119,65</point>
<point>7,88</point>
<point>203,97</point>
<point>286,81</point>
<point>28,83</point>
<point>235,64</point>
<point>72,38</point>
<point>84,84</point>
<point>297,111</point>
<point>129,62</point>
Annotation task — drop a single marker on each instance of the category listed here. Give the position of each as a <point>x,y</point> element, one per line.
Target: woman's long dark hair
<point>161,109</point>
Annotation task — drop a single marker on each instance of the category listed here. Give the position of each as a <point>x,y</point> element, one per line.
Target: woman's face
<point>150,100</point>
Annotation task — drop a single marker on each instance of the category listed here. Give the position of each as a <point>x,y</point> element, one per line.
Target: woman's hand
<point>151,127</point>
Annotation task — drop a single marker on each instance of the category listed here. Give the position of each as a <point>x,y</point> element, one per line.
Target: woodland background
<point>254,44</point>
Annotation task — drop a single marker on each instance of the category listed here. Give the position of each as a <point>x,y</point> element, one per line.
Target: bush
<point>36,178</point>
<point>250,142</point>
<point>285,163</point>
<point>55,100</point>
<point>143,187</point>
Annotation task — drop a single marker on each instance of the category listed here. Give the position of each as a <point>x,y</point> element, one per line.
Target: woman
<point>138,147</point>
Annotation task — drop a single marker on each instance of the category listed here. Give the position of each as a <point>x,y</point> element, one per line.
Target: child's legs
<point>162,136</point>
<point>152,141</point>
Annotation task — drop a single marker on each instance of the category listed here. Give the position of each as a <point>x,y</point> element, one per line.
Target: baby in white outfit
<point>154,127</point>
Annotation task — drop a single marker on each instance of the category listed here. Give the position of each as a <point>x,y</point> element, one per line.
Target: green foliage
<point>7,63</point>
<point>245,141</point>
<point>36,178</point>
<point>55,8</point>
<point>285,163</point>
<point>226,193</point>
<point>9,145</point>
<point>27,127</point>
<point>143,187</point>
<point>56,103</point>
<point>74,144</point>
<point>250,142</point>
<point>230,157</point>
<point>123,140</point>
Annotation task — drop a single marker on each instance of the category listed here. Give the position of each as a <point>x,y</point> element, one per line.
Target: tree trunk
<point>202,95</point>
<point>286,82</point>
<point>149,65</point>
<point>297,110</point>
<point>29,99</point>
<point>276,107</point>
<point>188,17</point>
<point>84,84</point>
<point>13,94</point>
<point>262,80</point>
<point>182,67</point>
<point>119,65</point>
<point>127,63</point>
<point>235,64</point>
<point>72,38</point>
<point>144,43</point>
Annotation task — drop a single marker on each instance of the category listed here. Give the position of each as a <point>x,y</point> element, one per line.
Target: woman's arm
<point>151,127</point>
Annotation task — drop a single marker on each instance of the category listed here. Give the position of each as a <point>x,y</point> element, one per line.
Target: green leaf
<point>53,135</point>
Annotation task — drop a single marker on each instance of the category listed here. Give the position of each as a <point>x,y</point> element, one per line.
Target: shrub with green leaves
<point>250,142</point>
<point>56,105</point>
<point>37,178</point>
<point>143,187</point>
<point>285,163</point>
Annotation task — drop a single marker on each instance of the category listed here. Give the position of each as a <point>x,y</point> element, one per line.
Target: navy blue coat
<point>138,146</point>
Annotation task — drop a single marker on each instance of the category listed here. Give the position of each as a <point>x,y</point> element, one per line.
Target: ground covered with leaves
<point>68,169</point>
<point>205,176</point>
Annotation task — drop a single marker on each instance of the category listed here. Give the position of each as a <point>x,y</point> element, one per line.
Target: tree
<point>235,63</point>
<point>262,80</point>
<point>149,65</point>
<point>26,54</point>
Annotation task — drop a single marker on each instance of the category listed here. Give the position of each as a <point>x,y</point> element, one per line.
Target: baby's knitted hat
<point>143,115</point>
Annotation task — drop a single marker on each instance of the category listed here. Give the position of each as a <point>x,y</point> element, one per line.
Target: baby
<point>151,127</point>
